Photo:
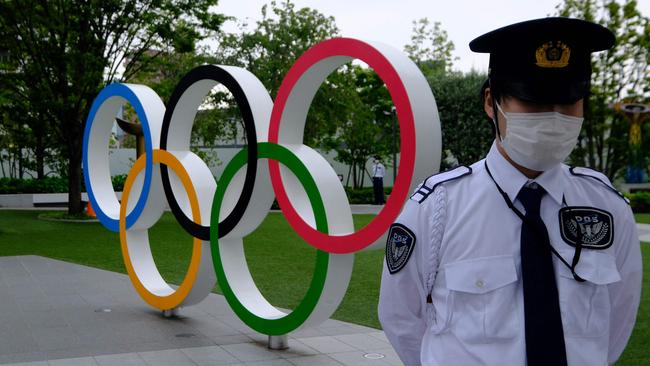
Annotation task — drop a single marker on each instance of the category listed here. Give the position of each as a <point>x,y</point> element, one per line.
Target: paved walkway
<point>56,313</point>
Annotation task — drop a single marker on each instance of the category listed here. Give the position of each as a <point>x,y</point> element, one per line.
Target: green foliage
<point>66,51</point>
<point>364,196</point>
<point>640,201</point>
<point>64,216</point>
<point>466,130</point>
<point>621,72</point>
<point>272,46</point>
<point>365,129</point>
<point>48,185</point>
<point>430,47</point>
<point>44,185</point>
<point>118,182</point>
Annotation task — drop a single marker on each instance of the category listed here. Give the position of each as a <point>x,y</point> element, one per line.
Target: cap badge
<point>553,55</point>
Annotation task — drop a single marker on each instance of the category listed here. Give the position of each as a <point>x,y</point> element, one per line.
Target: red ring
<point>381,65</point>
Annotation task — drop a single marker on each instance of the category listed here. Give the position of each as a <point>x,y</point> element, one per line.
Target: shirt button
<point>480,283</point>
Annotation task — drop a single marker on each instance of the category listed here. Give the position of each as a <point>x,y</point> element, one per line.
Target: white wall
<point>121,161</point>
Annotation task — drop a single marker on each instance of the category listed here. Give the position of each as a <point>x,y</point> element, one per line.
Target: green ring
<point>300,314</point>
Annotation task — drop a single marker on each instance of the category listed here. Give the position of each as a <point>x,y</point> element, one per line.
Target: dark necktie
<point>544,334</point>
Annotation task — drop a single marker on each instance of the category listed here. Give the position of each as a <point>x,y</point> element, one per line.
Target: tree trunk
<point>21,165</point>
<point>74,169</point>
<point>39,151</point>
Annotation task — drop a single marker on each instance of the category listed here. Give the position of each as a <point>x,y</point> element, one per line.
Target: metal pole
<point>278,342</point>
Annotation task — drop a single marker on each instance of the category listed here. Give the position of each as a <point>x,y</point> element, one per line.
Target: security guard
<point>518,259</point>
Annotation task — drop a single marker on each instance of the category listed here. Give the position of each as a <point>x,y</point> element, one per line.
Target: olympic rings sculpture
<point>219,215</point>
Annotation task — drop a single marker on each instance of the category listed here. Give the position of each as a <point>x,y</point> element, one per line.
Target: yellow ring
<point>176,298</point>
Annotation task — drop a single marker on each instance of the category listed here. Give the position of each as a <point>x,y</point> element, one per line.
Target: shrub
<point>640,201</point>
<point>363,195</point>
<point>355,196</point>
<point>45,185</point>
<point>48,185</point>
<point>118,182</point>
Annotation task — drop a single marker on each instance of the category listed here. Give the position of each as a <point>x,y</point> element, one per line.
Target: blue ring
<point>119,90</point>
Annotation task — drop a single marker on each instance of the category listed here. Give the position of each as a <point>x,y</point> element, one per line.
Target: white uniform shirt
<point>466,257</point>
<point>378,170</point>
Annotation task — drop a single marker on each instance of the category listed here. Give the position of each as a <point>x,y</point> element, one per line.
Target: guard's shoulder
<point>429,185</point>
<point>597,178</point>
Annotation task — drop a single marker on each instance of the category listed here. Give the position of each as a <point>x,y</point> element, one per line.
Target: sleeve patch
<point>399,247</point>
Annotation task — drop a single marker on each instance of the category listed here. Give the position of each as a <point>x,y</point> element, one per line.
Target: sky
<point>390,21</point>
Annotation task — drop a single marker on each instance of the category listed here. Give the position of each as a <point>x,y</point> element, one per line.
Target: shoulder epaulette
<point>597,176</point>
<point>429,185</point>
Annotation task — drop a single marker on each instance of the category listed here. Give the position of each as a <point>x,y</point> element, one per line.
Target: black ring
<point>218,74</point>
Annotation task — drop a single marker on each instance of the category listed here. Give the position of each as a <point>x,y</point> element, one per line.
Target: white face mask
<point>539,141</point>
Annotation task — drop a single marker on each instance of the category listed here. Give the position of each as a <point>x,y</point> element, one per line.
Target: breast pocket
<point>585,305</point>
<point>484,298</point>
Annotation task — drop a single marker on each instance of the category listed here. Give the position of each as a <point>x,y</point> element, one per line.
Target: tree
<point>466,130</point>
<point>163,73</point>
<point>622,71</point>
<point>25,134</point>
<point>273,46</point>
<point>366,127</point>
<point>70,49</point>
<point>430,47</point>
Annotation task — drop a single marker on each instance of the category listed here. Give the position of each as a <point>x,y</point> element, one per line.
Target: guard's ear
<point>487,103</point>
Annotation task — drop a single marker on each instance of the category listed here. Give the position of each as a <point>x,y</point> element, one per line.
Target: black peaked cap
<point>544,60</point>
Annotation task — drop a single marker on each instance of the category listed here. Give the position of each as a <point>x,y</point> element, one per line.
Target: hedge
<point>45,185</point>
<point>640,201</point>
<point>48,185</point>
<point>364,195</point>
<point>60,185</point>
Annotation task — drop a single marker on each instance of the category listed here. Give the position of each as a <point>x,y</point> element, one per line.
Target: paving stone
<point>172,357</point>
<point>391,356</point>
<point>249,352</point>
<point>26,357</point>
<point>45,319</point>
<point>55,338</point>
<point>84,361</point>
<point>356,359</point>
<point>297,349</point>
<point>209,356</point>
<point>16,340</point>
<point>269,363</point>
<point>379,335</point>
<point>362,341</point>
<point>125,359</point>
<point>319,360</point>
<point>327,344</point>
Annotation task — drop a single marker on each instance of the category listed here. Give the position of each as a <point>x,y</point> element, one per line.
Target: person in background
<point>378,172</point>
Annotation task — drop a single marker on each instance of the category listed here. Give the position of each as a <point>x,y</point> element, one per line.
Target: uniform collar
<point>512,180</point>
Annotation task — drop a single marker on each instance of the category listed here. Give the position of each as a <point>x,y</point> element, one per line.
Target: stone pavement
<point>59,314</point>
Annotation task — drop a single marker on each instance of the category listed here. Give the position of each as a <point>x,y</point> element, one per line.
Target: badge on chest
<point>399,247</point>
<point>592,227</point>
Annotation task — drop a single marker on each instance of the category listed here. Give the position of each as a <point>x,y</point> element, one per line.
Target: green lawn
<point>279,260</point>
<point>643,218</point>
